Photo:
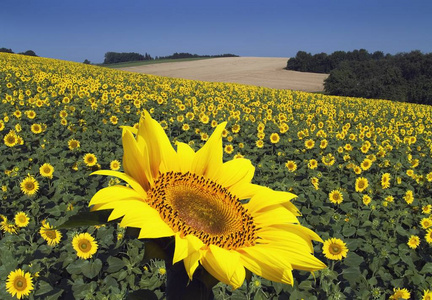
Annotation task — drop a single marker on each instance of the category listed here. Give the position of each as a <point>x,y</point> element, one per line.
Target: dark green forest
<point>402,77</point>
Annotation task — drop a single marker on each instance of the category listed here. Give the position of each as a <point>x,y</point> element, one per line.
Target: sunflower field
<point>361,170</point>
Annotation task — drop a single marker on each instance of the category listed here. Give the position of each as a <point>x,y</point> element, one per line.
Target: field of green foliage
<point>361,168</point>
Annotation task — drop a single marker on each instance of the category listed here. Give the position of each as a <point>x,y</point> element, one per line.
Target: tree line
<point>116,57</point>
<point>28,52</point>
<point>402,77</point>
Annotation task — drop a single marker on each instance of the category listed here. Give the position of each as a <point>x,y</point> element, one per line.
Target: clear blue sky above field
<point>87,29</point>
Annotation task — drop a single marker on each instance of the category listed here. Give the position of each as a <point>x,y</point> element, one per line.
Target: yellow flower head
<point>336,197</point>
<point>413,241</point>
<point>29,185</point>
<point>73,144</point>
<point>11,139</point>
<point>90,159</point>
<point>115,165</point>
<point>194,197</point>
<point>361,184</point>
<point>366,199</point>
<point>85,245</point>
<point>385,180</point>
<point>335,249</point>
<point>46,170</point>
<point>427,295</point>
<point>428,236</point>
<point>19,283</point>
<point>274,138</point>
<point>21,219</point>
<point>400,294</point>
<point>291,165</point>
<point>49,234</point>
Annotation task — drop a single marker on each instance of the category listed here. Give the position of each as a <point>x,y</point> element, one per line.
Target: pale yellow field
<point>260,71</point>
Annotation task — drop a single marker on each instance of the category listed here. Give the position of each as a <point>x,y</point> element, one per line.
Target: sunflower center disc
<point>51,234</point>
<point>20,284</point>
<point>192,204</point>
<point>335,249</point>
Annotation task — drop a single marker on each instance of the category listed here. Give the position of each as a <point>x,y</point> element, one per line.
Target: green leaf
<point>348,230</point>
<point>352,274</point>
<point>114,264</point>
<point>76,267</point>
<point>353,259</point>
<point>43,288</point>
<point>427,269</point>
<point>92,269</point>
<point>87,219</point>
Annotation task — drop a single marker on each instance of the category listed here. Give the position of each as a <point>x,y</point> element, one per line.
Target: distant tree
<point>6,50</point>
<point>29,53</point>
<point>86,61</point>
<point>115,57</point>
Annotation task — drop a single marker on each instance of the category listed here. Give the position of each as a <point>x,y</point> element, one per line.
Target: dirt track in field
<point>259,71</point>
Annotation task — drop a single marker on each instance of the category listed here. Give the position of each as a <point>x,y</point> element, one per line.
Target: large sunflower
<point>197,199</point>
<point>19,283</point>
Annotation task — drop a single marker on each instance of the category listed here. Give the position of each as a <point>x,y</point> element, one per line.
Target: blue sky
<point>86,29</point>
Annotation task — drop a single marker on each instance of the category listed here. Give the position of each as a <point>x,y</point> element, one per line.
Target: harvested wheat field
<point>259,71</point>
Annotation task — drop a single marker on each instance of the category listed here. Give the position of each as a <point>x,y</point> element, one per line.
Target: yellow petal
<point>132,182</point>
<point>273,273</point>
<point>136,161</point>
<point>236,171</point>
<point>208,160</point>
<point>223,265</point>
<point>278,215</point>
<point>162,155</point>
<point>181,248</point>
<point>191,262</point>
<point>267,199</point>
<point>185,156</point>
<point>130,128</point>
<point>114,193</point>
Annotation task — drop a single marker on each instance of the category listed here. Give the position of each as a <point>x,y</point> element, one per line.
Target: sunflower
<point>11,139</point>
<point>259,143</point>
<point>312,164</point>
<point>309,144</point>
<point>385,180</point>
<point>90,159</point>
<point>426,223</point>
<point>19,283</point>
<point>400,294</point>
<point>291,165</point>
<point>185,127</point>
<point>361,184</point>
<point>6,226</point>
<point>229,149</point>
<point>336,197</point>
<point>366,199</point>
<point>413,241</point>
<point>195,198</point>
<point>323,144</point>
<point>328,160</point>
<point>49,234</point>
<point>366,164</point>
<point>274,138</point>
<point>115,165</point>
<point>85,245</point>
<point>335,249</point>
<point>36,128</point>
<point>428,236</point>
<point>409,197</point>
<point>46,170</point>
<point>21,219</point>
<point>315,182</point>
<point>29,185</point>
<point>427,295</point>
<point>73,144</point>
